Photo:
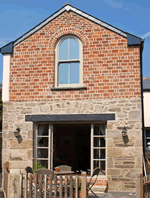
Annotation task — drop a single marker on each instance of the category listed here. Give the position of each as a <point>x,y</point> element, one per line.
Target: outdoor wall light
<point>17,132</point>
<point>124,131</point>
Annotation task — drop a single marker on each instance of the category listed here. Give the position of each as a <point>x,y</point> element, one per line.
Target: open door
<point>51,146</point>
<point>98,148</point>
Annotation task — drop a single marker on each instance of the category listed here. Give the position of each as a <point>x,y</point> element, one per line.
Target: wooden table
<point>63,172</point>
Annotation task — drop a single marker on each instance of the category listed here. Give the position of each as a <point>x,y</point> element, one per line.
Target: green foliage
<point>79,186</point>
<point>36,166</point>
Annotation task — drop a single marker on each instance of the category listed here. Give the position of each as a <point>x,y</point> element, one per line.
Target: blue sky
<point>133,16</point>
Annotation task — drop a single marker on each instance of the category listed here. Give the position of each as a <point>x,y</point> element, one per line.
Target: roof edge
<point>134,40</point>
<point>7,49</point>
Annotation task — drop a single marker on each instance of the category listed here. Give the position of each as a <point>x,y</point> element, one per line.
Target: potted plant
<point>79,190</point>
<point>57,169</point>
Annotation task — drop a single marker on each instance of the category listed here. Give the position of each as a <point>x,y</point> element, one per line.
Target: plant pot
<point>79,194</point>
<point>57,170</point>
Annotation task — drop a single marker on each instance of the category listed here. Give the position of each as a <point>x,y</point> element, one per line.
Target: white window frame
<point>80,60</point>
<point>50,144</point>
<point>99,148</point>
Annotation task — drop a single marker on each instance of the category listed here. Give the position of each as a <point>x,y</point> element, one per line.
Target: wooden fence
<point>143,186</point>
<point>5,179</point>
<point>44,186</point>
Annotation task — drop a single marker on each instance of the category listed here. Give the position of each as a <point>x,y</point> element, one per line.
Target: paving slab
<point>114,195</point>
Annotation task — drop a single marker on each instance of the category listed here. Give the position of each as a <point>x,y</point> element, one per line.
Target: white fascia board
<point>6,76</point>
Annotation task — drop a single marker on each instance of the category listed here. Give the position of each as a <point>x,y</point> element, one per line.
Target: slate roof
<point>131,39</point>
<point>146,84</point>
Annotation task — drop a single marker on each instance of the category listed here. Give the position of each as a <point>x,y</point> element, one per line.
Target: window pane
<point>74,73</point>
<point>147,141</point>
<point>74,49</point>
<point>42,129</point>
<point>99,142</point>
<point>101,165</point>
<point>147,133</point>
<point>99,153</point>
<point>99,130</point>
<point>63,73</point>
<point>42,153</point>
<point>42,142</point>
<point>63,50</point>
<point>96,164</point>
<point>43,163</point>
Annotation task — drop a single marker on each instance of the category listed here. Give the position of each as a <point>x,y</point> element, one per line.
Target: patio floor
<point>114,195</point>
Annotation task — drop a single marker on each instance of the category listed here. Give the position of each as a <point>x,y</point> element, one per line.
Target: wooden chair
<point>41,181</point>
<point>44,172</point>
<point>93,177</point>
<point>64,168</point>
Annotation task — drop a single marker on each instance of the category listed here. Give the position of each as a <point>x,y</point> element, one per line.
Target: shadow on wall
<point>125,139</point>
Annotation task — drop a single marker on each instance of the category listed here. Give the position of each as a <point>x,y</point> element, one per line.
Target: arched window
<point>68,62</point>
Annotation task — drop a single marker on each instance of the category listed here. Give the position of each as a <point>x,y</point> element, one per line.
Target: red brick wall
<point>111,69</point>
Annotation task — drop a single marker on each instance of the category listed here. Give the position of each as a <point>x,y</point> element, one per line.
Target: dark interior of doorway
<point>71,144</point>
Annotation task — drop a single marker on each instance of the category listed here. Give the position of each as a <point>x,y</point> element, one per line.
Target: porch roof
<point>70,118</point>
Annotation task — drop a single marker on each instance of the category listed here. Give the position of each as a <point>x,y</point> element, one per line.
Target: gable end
<point>131,39</point>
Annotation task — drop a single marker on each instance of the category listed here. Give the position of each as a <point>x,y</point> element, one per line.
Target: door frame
<point>50,143</point>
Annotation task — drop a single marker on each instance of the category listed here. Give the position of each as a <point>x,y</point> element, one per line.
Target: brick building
<point>72,85</point>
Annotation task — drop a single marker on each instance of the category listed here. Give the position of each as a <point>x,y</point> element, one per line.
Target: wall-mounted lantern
<point>124,131</point>
<point>17,132</point>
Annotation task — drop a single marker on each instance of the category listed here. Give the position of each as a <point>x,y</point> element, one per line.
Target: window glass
<point>99,130</point>
<point>99,142</point>
<point>69,63</point>
<point>42,129</point>
<point>42,153</point>
<point>99,153</point>
<point>101,165</point>
<point>63,50</point>
<point>74,49</point>
<point>147,141</point>
<point>63,73</point>
<point>74,73</point>
<point>147,133</point>
<point>43,163</point>
<point>42,141</point>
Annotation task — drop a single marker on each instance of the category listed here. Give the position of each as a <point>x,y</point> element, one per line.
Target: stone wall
<point>124,156</point>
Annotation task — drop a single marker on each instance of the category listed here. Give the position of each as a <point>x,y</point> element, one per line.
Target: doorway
<point>81,146</point>
<point>71,146</point>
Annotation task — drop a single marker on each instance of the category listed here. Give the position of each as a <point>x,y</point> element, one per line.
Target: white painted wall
<point>147,109</point>
<point>6,74</point>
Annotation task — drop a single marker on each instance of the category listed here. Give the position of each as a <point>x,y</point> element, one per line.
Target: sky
<point>133,16</point>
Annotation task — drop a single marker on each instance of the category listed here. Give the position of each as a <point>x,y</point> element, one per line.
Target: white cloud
<point>114,4</point>
<point>146,35</point>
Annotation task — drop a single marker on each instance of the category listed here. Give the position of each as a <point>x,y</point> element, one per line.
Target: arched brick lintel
<point>66,31</point>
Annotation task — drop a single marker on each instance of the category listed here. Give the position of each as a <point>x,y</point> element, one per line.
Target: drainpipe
<point>142,105</point>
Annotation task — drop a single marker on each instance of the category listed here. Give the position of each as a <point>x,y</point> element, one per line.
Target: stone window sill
<point>68,88</point>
